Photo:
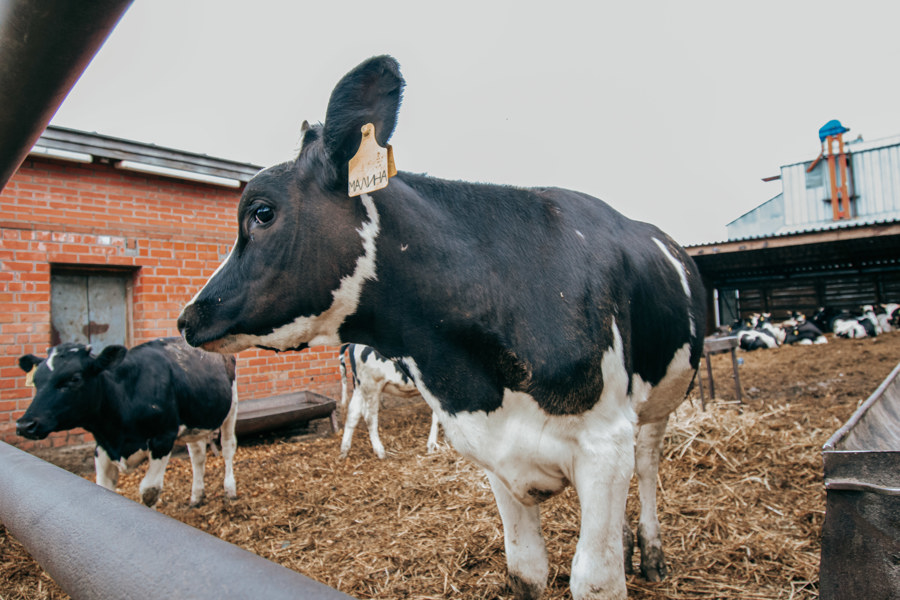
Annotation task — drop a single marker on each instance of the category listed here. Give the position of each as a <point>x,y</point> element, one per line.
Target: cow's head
<point>304,248</point>
<point>64,387</point>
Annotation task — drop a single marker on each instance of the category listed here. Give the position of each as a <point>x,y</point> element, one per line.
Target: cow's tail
<point>343,368</point>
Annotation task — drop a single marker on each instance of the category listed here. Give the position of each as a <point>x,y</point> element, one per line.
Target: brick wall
<point>169,233</point>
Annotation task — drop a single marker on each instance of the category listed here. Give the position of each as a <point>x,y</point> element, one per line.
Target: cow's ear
<point>109,358</point>
<point>370,93</point>
<point>29,361</point>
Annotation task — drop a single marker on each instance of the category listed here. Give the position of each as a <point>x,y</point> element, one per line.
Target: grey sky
<point>670,111</point>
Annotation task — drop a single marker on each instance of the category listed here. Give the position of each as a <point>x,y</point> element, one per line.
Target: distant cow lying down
<point>137,403</point>
<point>373,375</point>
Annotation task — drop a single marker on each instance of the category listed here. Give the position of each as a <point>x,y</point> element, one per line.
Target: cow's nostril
<point>24,427</point>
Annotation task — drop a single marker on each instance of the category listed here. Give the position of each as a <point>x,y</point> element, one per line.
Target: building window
<point>816,177</point>
<point>727,306</point>
<point>90,307</point>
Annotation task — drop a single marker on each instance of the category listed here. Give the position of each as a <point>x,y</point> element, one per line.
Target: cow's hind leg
<point>229,444</point>
<point>354,412</point>
<point>601,480</point>
<point>647,454</point>
<point>370,413</point>
<point>526,555</point>
<point>152,483</point>
<point>197,451</point>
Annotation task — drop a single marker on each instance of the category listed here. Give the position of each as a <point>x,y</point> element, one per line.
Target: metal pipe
<point>97,544</point>
<point>45,46</point>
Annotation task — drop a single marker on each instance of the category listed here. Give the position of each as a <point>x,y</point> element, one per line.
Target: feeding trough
<point>283,411</point>
<point>861,534</point>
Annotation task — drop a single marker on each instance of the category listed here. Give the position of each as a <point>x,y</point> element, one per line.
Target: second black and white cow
<point>551,334</point>
<point>373,376</point>
<point>137,403</point>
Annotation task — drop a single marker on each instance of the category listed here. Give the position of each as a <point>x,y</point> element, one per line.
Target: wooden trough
<point>284,411</point>
<point>861,535</point>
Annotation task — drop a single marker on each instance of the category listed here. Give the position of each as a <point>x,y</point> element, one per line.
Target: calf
<point>373,375</point>
<point>136,403</point>
<point>551,334</point>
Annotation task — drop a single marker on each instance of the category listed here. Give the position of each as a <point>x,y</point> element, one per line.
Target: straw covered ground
<point>742,500</point>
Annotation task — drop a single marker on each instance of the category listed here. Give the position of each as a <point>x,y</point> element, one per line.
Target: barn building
<point>102,241</point>
<point>830,238</point>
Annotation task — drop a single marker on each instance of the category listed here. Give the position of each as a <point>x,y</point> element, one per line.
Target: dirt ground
<point>741,495</point>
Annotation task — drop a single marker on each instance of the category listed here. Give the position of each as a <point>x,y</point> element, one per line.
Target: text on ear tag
<point>372,165</point>
<point>29,377</point>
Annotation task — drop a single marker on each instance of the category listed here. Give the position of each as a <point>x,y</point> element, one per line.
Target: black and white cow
<point>373,375</point>
<point>755,333</point>
<point>846,325</point>
<point>137,403</point>
<point>551,334</point>
<point>802,332</point>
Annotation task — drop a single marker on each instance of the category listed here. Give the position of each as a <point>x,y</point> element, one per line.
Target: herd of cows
<point>759,331</point>
<point>550,335</point>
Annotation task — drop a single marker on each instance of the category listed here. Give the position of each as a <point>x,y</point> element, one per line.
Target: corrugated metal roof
<point>875,194</point>
<point>71,144</point>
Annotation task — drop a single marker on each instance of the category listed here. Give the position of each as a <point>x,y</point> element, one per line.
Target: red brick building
<point>103,240</point>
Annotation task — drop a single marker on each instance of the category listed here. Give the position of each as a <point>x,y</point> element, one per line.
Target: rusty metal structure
<point>861,535</point>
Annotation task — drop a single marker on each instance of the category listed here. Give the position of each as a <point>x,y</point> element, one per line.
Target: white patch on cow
<point>654,403</point>
<point>682,274</point>
<point>678,267</point>
<point>50,358</point>
<point>216,272</point>
<point>530,455</point>
<point>322,329</point>
<point>526,448</point>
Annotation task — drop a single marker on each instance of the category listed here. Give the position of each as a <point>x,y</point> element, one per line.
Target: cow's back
<point>555,270</point>
<point>195,383</point>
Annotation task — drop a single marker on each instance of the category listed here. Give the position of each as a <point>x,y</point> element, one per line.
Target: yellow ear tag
<point>29,377</point>
<point>372,165</point>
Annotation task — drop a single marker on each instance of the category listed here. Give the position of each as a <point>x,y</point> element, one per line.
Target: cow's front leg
<point>433,434</point>
<point>229,445</point>
<point>106,470</point>
<point>647,453</point>
<point>603,469</point>
<point>526,555</point>
<point>152,483</point>
<point>197,451</point>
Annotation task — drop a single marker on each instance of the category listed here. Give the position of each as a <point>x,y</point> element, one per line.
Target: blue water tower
<point>832,127</point>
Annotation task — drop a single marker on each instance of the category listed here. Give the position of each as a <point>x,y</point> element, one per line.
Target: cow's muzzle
<point>30,429</point>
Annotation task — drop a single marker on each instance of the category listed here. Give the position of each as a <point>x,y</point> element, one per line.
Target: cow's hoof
<point>653,564</point>
<point>628,548</point>
<point>150,496</point>
<point>524,590</point>
<point>195,502</point>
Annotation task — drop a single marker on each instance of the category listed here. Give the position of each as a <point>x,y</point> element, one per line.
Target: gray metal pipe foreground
<point>861,533</point>
<point>99,545</point>
<point>45,45</point>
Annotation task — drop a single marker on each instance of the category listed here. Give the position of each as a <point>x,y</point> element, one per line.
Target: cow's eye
<point>71,381</point>
<point>263,214</point>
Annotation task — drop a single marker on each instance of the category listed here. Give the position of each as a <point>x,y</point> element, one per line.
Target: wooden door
<point>89,308</point>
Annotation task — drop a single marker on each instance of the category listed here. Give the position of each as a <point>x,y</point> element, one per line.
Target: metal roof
<point>840,247</point>
<point>81,146</point>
